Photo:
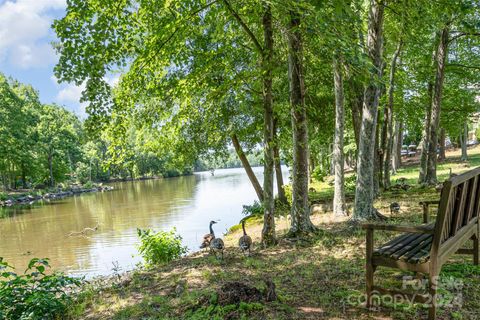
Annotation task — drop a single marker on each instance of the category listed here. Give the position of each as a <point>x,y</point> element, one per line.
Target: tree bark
<point>268,232</point>
<point>356,105</point>
<point>300,211</point>
<point>377,171</point>
<point>441,147</point>
<point>338,157</point>
<point>464,142</point>
<point>248,168</point>
<point>387,134</point>
<point>431,175</point>
<point>364,193</point>
<point>278,167</point>
<point>50,168</point>
<point>397,147</point>
<point>425,135</point>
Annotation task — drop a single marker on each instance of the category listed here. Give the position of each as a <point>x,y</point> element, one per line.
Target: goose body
<point>245,242</point>
<point>394,207</point>
<point>207,239</point>
<point>215,245</point>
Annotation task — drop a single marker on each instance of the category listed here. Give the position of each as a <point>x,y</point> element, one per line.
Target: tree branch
<point>249,32</point>
<point>462,66</point>
<point>463,34</point>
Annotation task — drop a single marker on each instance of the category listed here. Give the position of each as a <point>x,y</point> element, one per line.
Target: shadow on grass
<point>321,279</point>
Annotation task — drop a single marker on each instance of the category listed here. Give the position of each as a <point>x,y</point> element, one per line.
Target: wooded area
<point>197,75</point>
<point>344,94</point>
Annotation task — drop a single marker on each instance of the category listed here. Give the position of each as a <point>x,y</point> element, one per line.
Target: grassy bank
<point>320,278</point>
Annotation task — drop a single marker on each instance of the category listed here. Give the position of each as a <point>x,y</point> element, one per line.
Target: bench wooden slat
<point>472,200</point>
<point>448,216</point>
<point>405,239</point>
<point>476,210</point>
<point>408,247</point>
<point>422,252</point>
<point>460,209</point>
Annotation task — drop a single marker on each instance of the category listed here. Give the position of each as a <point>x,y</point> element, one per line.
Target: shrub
<point>350,182</point>
<point>319,174</point>
<point>88,185</point>
<point>82,172</point>
<point>34,294</point>
<point>160,247</point>
<point>256,209</point>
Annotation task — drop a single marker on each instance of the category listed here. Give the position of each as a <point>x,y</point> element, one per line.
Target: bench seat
<point>409,247</point>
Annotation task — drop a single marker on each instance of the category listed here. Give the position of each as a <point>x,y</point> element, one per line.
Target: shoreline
<point>31,197</point>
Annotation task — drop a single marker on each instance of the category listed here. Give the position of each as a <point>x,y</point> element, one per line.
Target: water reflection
<point>187,203</point>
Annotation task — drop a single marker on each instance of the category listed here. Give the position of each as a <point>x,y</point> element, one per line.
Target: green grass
<point>322,278</point>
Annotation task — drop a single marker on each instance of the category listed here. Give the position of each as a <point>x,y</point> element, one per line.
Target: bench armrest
<point>425,205</point>
<point>400,228</point>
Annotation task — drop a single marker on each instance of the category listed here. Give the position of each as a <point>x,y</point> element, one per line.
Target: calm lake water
<point>187,203</point>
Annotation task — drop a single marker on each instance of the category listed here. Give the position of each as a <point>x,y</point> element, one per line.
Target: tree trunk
<point>338,159</point>
<point>24,177</point>
<point>266,53</point>
<point>425,135</point>
<point>397,147</point>
<point>464,142</point>
<point>248,168</point>
<point>364,193</point>
<point>300,211</point>
<point>431,176</point>
<point>356,105</point>
<point>377,175</point>
<point>50,167</point>
<point>387,134</point>
<point>441,147</point>
<point>311,165</point>
<point>278,167</point>
<point>268,232</point>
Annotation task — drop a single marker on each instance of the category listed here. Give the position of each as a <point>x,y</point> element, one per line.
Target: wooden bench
<point>425,248</point>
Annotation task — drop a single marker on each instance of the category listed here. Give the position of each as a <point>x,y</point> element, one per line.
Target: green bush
<point>160,247</point>
<point>256,209</point>
<point>82,172</point>
<point>319,174</point>
<point>34,294</point>
<point>88,185</point>
<point>350,182</point>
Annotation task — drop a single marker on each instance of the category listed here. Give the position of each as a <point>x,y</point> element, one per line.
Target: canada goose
<point>208,237</point>
<point>394,207</point>
<point>245,242</point>
<point>216,244</point>
<point>83,232</point>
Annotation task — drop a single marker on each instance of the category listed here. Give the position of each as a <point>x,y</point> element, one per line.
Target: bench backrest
<point>458,209</point>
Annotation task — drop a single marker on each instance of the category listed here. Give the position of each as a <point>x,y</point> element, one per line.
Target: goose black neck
<point>211,229</point>
<point>243,227</point>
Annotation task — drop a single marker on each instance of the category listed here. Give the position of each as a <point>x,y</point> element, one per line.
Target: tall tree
<point>300,211</point>
<point>268,231</point>
<point>440,59</point>
<point>364,193</point>
<point>387,133</point>
<point>339,207</point>
<point>397,146</point>
<point>464,139</point>
<point>278,165</point>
